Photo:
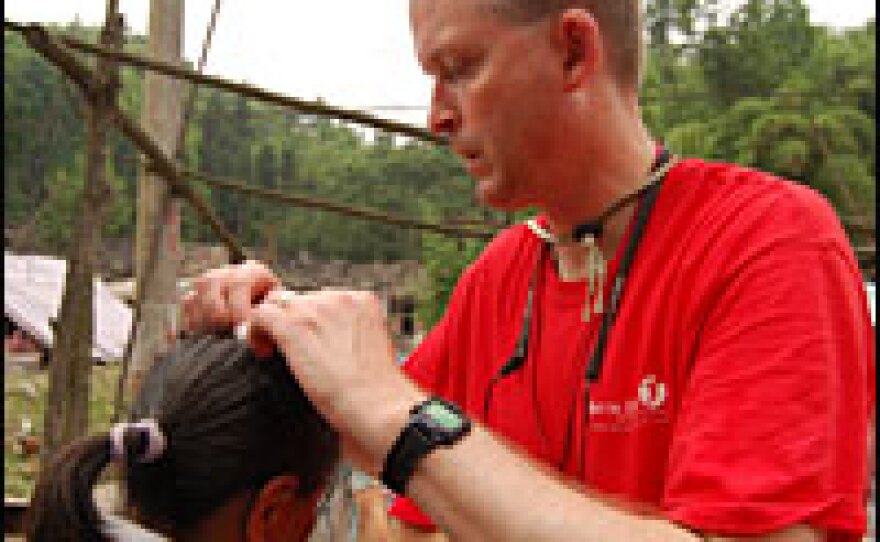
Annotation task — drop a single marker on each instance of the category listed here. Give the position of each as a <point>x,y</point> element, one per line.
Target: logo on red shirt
<point>626,416</point>
<point>652,394</point>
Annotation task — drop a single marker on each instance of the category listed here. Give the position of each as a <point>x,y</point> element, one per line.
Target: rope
<point>194,89</point>
<point>466,227</point>
<point>859,224</point>
<point>278,196</point>
<point>243,89</point>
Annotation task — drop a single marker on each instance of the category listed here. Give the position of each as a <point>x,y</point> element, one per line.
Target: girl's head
<point>245,454</point>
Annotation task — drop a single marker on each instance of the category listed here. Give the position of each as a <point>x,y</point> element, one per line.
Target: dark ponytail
<point>62,508</point>
<point>228,422</point>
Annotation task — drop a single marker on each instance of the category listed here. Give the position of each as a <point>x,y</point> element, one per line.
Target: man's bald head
<point>620,22</point>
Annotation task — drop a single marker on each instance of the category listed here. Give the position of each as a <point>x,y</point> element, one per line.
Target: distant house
<point>399,284</point>
<point>32,291</point>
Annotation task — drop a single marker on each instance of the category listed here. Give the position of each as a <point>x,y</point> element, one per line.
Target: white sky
<point>350,52</point>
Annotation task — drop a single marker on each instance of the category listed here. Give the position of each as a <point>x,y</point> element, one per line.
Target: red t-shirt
<point>738,377</point>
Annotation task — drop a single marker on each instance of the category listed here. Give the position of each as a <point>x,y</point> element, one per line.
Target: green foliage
<point>445,259</point>
<point>24,400</point>
<point>770,91</point>
<point>744,57</point>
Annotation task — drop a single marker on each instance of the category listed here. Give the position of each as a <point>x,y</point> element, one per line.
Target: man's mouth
<point>468,156</point>
<point>473,159</point>
<point>476,165</point>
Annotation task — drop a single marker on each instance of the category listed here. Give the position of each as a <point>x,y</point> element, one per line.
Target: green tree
<point>763,43</point>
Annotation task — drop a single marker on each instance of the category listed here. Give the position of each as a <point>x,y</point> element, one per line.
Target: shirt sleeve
<point>773,420</point>
<point>430,358</point>
<point>432,364</point>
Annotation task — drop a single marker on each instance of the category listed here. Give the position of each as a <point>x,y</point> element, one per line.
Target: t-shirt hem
<point>405,511</point>
<point>736,520</point>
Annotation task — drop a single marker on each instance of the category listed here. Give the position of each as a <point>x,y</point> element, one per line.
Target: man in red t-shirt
<point>711,380</point>
<point>726,375</point>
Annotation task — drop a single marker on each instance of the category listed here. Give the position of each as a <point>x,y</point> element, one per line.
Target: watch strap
<point>415,441</point>
<point>403,457</point>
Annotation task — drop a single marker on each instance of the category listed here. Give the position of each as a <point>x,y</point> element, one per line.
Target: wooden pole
<point>66,415</point>
<point>270,232</point>
<point>157,242</point>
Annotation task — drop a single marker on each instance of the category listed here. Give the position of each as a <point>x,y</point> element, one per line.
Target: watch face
<point>443,417</point>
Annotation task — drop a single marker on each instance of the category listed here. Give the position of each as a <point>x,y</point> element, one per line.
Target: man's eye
<point>454,70</point>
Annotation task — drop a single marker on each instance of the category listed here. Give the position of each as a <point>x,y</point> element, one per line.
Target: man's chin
<point>489,194</point>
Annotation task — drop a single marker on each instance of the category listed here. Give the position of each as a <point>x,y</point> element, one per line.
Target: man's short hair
<point>620,22</point>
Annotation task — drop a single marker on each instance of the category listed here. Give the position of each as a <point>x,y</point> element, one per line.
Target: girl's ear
<point>278,514</point>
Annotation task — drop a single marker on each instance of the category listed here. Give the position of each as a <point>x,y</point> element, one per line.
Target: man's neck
<point>571,258</point>
<point>626,172</point>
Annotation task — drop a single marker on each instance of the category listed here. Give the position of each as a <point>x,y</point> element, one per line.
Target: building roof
<point>32,291</point>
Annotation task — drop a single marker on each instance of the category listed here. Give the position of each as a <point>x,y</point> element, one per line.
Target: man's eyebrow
<point>442,44</point>
<point>429,59</point>
<point>434,61</point>
<point>432,56</point>
<point>493,8</point>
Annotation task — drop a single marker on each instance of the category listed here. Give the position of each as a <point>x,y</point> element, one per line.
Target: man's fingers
<point>282,317</point>
<point>263,278</point>
<point>253,282</point>
<point>195,313</point>
<point>259,280</point>
<point>189,303</point>
<point>223,297</point>
<point>239,301</point>
<point>265,326</point>
<point>215,305</point>
<point>263,317</point>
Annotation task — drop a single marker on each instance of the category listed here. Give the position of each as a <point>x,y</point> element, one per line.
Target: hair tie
<point>154,437</point>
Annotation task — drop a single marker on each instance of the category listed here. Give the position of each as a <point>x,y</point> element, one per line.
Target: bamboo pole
<point>66,414</point>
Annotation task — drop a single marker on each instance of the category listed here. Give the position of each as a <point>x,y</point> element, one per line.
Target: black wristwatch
<point>433,422</point>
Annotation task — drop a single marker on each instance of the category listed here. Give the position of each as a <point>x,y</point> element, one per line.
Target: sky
<point>351,53</point>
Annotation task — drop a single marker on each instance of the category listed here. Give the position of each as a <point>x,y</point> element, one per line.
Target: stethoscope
<point>648,196</point>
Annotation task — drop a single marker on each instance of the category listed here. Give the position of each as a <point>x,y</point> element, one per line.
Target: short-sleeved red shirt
<point>738,378</point>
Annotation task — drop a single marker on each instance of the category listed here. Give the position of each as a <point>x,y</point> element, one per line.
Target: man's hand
<point>223,297</point>
<point>338,346</point>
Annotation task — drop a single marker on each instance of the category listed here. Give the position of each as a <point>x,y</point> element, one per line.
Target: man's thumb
<point>260,332</point>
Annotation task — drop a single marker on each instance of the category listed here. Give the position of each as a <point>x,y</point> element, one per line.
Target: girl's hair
<point>231,423</point>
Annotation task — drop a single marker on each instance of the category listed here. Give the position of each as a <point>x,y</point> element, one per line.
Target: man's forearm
<point>481,489</point>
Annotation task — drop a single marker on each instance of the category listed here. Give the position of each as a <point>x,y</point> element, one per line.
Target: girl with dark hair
<point>224,447</point>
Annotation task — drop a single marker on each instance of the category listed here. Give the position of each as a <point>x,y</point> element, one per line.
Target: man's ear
<point>582,47</point>
<point>278,514</point>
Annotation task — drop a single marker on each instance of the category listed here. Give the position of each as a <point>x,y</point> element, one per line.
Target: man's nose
<point>442,119</point>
